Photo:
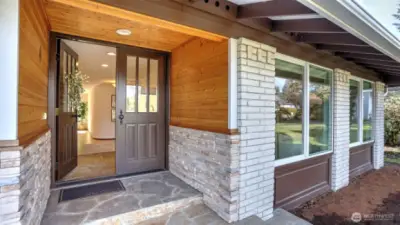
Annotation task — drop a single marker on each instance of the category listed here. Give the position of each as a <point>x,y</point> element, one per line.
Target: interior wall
<point>33,71</point>
<point>99,115</point>
<point>199,85</point>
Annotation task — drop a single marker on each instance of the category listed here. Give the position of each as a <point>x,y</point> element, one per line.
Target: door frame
<point>52,99</point>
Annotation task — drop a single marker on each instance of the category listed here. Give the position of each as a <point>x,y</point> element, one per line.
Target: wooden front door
<point>140,119</point>
<point>67,153</point>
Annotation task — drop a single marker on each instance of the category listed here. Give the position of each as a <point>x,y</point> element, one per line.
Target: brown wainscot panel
<point>360,159</point>
<point>302,181</point>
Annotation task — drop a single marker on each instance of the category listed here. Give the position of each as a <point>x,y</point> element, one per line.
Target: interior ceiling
<point>303,25</point>
<point>90,58</point>
<point>69,19</point>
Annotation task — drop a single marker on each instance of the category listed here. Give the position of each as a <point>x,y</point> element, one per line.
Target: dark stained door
<point>140,119</point>
<point>67,153</point>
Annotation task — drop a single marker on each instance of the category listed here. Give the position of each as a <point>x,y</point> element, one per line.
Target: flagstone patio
<point>146,196</point>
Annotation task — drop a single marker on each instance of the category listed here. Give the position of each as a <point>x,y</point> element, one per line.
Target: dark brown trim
<point>338,39</point>
<point>319,25</point>
<point>32,139</point>
<point>52,92</point>
<point>52,103</point>
<point>302,181</point>
<point>207,129</point>
<point>360,159</point>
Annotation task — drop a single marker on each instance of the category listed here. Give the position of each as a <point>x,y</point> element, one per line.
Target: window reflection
<point>320,110</point>
<point>288,109</point>
<point>354,110</point>
<point>367,110</point>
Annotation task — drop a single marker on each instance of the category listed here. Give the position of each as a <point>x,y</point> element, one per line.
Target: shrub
<point>392,119</point>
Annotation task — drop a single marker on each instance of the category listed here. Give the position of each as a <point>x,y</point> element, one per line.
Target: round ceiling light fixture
<point>104,65</point>
<point>124,32</point>
<point>111,53</point>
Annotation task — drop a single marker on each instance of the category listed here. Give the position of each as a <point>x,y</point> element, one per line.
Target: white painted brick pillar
<point>256,123</point>
<point>378,153</point>
<point>341,129</point>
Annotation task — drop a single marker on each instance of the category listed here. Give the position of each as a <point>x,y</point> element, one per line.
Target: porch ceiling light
<point>111,53</point>
<point>104,65</point>
<point>124,32</point>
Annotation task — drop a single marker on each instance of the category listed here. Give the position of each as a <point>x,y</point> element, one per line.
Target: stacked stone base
<point>208,162</point>
<point>25,182</point>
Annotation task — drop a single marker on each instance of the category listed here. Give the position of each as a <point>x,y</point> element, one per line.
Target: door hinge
<point>57,111</point>
<point>58,57</point>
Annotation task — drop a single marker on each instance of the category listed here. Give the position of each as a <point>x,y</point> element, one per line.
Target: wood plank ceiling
<point>304,25</point>
<point>92,20</point>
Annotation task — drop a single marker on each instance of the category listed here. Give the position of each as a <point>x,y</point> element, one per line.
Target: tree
<point>392,119</point>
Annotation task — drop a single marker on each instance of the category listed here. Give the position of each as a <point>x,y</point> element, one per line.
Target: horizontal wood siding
<point>302,181</point>
<point>360,159</point>
<point>33,70</point>
<point>199,86</point>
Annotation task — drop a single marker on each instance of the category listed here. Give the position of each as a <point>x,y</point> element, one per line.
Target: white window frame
<point>306,112</point>
<point>361,111</point>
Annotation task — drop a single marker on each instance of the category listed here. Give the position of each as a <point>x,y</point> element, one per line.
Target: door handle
<point>121,117</point>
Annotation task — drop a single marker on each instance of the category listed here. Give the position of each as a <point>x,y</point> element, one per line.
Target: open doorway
<point>111,110</point>
<point>87,110</point>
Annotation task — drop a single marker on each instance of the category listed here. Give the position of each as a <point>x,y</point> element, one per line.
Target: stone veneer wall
<point>25,182</point>
<point>208,162</point>
<point>378,152</point>
<point>256,123</point>
<point>341,129</point>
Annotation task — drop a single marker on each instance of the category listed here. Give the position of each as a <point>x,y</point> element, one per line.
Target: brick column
<point>256,123</point>
<point>378,153</point>
<point>341,129</point>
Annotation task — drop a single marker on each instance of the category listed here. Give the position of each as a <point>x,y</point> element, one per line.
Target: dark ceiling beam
<point>377,63</point>
<point>386,70</point>
<point>337,39</point>
<point>306,26</point>
<point>272,8</point>
<point>352,49</point>
<point>377,58</point>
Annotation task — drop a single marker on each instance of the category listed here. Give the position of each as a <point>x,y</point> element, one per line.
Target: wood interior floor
<point>93,166</point>
<point>96,158</point>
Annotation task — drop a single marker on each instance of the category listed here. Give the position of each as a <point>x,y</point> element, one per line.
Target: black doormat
<point>90,190</point>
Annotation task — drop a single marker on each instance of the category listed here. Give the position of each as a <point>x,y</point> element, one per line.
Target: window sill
<point>360,143</point>
<point>293,159</point>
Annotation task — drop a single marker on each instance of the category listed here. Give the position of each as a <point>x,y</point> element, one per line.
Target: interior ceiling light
<point>104,65</point>
<point>111,53</point>
<point>124,32</point>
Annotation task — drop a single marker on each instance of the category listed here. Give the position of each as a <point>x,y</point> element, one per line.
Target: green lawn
<point>392,155</point>
<point>289,141</point>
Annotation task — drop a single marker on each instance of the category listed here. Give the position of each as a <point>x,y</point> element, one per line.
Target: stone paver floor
<point>198,214</point>
<point>141,192</point>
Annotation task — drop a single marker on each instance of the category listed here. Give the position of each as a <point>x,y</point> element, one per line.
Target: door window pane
<point>354,110</point>
<point>320,110</point>
<point>153,93</point>
<point>288,109</point>
<point>64,83</point>
<point>143,84</point>
<point>131,84</point>
<point>367,110</point>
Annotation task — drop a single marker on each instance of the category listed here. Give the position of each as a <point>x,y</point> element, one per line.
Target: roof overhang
<point>337,26</point>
